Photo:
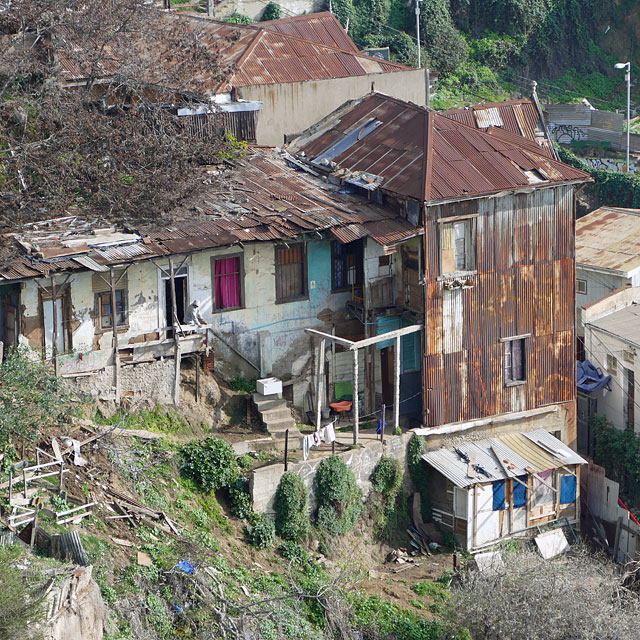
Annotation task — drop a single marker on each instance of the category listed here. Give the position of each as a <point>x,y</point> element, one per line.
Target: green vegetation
<point>20,601</point>
<point>386,503</point>
<point>32,399</point>
<point>239,18</point>
<point>262,533</point>
<point>291,505</point>
<point>273,11</point>
<point>419,473</point>
<point>619,453</point>
<point>243,384</point>
<point>210,463</point>
<point>164,420</point>
<point>338,496</point>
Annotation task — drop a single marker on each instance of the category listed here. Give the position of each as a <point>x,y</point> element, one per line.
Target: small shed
<point>505,486</point>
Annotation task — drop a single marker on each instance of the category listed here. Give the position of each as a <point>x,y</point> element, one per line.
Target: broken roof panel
<point>465,161</point>
<point>537,450</point>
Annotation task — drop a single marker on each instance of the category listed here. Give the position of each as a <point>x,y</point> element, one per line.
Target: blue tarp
<point>519,493</point>
<point>498,495</point>
<point>567,489</point>
<point>589,378</point>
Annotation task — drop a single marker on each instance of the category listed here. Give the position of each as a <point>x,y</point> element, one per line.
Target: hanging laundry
<point>307,443</point>
<point>382,424</point>
<point>330,433</point>
<point>316,438</point>
<point>321,433</point>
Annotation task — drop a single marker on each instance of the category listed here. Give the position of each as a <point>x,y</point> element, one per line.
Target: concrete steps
<point>277,418</point>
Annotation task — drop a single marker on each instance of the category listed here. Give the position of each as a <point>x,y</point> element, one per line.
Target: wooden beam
<point>114,323</point>
<point>319,385</point>
<point>356,404</point>
<point>328,336</point>
<point>396,385</point>
<point>506,469</point>
<point>176,343</point>
<point>384,336</point>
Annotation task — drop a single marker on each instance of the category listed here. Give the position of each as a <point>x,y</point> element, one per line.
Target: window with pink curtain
<point>227,283</point>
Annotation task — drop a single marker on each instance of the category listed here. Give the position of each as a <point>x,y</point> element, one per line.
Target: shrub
<point>239,18</point>
<point>262,533</point>
<point>291,505</point>
<point>243,384</point>
<point>419,473</point>
<point>293,552</point>
<point>273,11</point>
<point>338,496</point>
<point>210,463</point>
<point>241,503</point>
<point>386,478</point>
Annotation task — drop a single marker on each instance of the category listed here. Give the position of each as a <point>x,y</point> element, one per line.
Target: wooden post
<point>210,8</point>
<point>617,539</point>
<point>37,457</point>
<point>319,385</point>
<point>176,340</point>
<point>384,417</point>
<point>356,403</point>
<point>61,479</point>
<point>396,389</point>
<point>286,450</point>
<point>24,480</point>
<point>34,526</point>
<point>10,486</point>
<point>475,515</point>
<point>114,328</point>
<point>54,340</point>
<point>197,361</point>
<point>333,448</point>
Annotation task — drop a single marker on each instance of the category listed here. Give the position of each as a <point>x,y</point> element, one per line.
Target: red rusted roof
<point>322,27</point>
<point>253,55</point>
<point>418,154</point>
<point>267,199</point>
<point>519,117</point>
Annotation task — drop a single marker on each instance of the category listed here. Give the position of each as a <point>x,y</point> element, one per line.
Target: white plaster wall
<point>599,284</point>
<point>255,8</point>
<point>292,107</point>
<point>611,403</point>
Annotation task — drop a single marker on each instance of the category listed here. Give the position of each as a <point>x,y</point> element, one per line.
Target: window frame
<point>583,281</point>
<point>612,364</point>
<point>98,316</point>
<point>304,275</point>
<point>359,267</point>
<point>511,381</point>
<point>470,243</point>
<point>241,275</point>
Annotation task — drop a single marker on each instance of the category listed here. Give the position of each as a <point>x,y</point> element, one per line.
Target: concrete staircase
<point>277,418</point>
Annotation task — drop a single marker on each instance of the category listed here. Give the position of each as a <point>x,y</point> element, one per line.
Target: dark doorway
<point>387,357</point>
<point>181,301</point>
<point>9,315</point>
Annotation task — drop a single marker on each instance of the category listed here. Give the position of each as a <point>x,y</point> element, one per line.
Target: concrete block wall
<point>362,461</point>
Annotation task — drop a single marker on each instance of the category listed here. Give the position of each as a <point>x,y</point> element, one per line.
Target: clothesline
<point>390,406</point>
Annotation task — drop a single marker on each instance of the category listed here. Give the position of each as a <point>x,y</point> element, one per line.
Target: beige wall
<point>292,107</point>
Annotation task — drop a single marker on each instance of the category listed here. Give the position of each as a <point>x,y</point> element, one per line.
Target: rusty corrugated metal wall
<point>524,256</point>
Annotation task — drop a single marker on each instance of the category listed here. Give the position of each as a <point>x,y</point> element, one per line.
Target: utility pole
<point>418,31</point>
<point>627,77</point>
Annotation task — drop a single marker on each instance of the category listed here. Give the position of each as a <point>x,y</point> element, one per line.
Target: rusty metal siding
<point>521,288</point>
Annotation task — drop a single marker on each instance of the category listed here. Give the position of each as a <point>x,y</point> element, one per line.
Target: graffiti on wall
<point>566,133</point>
<point>611,164</point>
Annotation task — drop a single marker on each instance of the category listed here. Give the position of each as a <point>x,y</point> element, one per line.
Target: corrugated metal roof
<point>435,157</point>
<point>624,323</point>
<point>609,238</point>
<point>520,449</point>
<point>322,27</point>
<point>254,55</point>
<point>267,199</point>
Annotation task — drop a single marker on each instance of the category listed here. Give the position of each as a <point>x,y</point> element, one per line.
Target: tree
<point>32,399</point>
<point>110,142</point>
<point>576,596</point>
<point>443,47</point>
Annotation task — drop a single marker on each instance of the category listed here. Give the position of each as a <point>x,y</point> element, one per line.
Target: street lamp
<point>627,66</point>
<point>418,31</point>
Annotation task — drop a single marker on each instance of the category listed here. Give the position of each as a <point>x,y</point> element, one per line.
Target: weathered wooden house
<point>493,269</point>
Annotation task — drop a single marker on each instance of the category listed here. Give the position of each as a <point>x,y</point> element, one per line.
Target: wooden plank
<point>328,336</point>
<point>75,517</point>
<point>505,468</point>
<point>390,335</point>
<point>82,506</point>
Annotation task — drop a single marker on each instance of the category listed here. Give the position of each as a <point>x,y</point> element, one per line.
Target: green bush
<point>291,505</point>
<point>273,11</point>
<point>293,552</point>
<point>241,503</point>
<point>262,533</point>
<point>386,478</point>
<point>338,496</point>
<point>419,473</point>
<point>210,463</point>
<point>243,384</point>
<point>239,18</point>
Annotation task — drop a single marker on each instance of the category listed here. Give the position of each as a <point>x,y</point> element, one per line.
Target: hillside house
<point>493,283</point>
<point>108,306</point>
<point>268,73</point>
<point>607,257</point>
<point>612,344</point>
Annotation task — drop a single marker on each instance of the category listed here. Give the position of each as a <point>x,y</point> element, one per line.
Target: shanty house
<point>108,306</point>
<point>488,490</point>
<point>490,276</point>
